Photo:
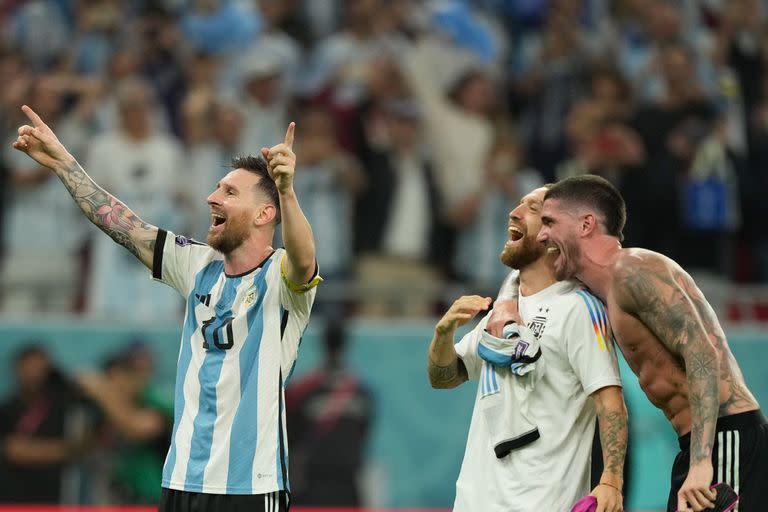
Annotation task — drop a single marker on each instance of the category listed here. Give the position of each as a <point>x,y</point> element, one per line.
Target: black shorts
<point>183,501</point>
<point>739,458</point>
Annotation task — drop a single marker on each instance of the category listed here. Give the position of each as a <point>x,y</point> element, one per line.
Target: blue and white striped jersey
<point>239,342</point>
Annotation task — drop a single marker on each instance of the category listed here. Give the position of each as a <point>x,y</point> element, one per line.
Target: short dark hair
<point>265,185</point>
<point>595,192</point>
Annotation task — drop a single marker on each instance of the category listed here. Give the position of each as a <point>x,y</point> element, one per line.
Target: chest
<point>637,342</point>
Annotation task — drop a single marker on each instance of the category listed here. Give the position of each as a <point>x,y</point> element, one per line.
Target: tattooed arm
<point>445,368</point>
<point>653,289</point>
<point>104,210</point>
<point>612,421</point>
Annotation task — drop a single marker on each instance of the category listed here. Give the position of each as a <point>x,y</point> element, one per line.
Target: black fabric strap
<point>157,257</point>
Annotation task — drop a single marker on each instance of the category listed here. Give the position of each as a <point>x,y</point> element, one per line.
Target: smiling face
<point>521,248</point>
<point>236,209</point>
<point>559,234</point>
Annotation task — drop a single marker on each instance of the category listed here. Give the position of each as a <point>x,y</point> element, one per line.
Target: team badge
<point>250,297</point>
<point>537,326</point>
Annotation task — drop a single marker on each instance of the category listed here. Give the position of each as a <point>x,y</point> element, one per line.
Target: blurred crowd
<point>96,437</point>
<point>101,436</point>
<point>419,125</point>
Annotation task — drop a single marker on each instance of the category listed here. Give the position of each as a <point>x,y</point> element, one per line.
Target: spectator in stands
<point>212,133</point>
<point>456,117</point>
<point>142,164</point>
<point>263,103</point>
<point>399,234</point>
<point>330,412</point>
<point>137,426</point>
<point>35,445</point>
<point>684,110</point>
<point>38,220</point>
<point>328,181</point>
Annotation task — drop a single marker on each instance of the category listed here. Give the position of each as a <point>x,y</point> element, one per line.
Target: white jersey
<point>578,358</point>
<point>239,342</point>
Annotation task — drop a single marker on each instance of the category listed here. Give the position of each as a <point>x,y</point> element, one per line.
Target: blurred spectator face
<point>665,22</point>
<point>506,158</point>
<point>275,11</point>
<point>123,64</point>
<point>583,123</point>
<point>227,125</point>
<point>201,70</point>
<point>32,371</point>
<point>46,98</point>
<point>134,100</point>
<point>263,89</point>
<point>316,137</point>
<point>743,14</point>
<point>126,380</point>
<point>384,79</point>
<point>475,94</point>
<point>608,87</point>
<point>361,12</point>
<point>677,67</point>
<point>404,131</point>
<point>206,6</point>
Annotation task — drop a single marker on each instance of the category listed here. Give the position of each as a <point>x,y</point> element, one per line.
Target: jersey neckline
<point>253,269</point>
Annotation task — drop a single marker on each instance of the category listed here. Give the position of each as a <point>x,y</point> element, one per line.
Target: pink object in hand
<point>585,504</point>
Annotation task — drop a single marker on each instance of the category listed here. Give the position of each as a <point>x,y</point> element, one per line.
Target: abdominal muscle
<point>662,376</point>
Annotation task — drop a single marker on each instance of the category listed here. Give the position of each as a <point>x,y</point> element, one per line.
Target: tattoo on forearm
<point>447,376</point>
<point>613,438</point>
<point>106,212</point>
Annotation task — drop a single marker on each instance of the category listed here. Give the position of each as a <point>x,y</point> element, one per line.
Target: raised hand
<point>40,143</point>
<point>281,161</point>
<point>462,311</point>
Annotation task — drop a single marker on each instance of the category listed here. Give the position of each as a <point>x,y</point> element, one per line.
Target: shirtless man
<point>672,340</point>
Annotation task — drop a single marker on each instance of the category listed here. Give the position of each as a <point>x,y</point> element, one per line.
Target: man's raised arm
<point>297,233</point>
<point>104,210</point>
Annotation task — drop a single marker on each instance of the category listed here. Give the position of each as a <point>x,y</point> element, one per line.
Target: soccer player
<point>247,307</point>
<point>575,379</point>
<point>672,340</point>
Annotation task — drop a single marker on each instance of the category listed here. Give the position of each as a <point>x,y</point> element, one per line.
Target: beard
<point>231,237</point>
<point>570,254</point>
<point>522,254</point>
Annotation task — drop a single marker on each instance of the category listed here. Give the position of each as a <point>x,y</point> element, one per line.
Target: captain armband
<point>299,287</point>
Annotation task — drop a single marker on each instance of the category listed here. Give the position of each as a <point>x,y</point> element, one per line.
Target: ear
<point>588,224</point>
<point>265,215</point>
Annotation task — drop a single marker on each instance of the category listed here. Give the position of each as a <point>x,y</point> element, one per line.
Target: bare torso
<point>661,371</point>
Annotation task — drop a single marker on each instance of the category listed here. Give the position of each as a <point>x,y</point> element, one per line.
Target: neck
<point>249,255</point>
<point>599,255</point>
<point>537,276</point>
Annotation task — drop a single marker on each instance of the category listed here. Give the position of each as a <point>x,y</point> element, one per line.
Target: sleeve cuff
<point>157,257</point>
<point>602,383</point>
<point>300,287</point>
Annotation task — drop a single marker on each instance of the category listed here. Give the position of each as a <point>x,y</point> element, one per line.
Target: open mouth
<point>217,220</point>
<point>515,233</point>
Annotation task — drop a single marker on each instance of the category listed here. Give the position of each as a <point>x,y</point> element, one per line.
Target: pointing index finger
<point>289,135</point>
<point>32,116</point>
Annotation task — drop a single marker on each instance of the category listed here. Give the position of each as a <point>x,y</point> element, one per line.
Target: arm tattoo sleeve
<point>656,294</point>
<point>612,422</point>
<point>109,214</point>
